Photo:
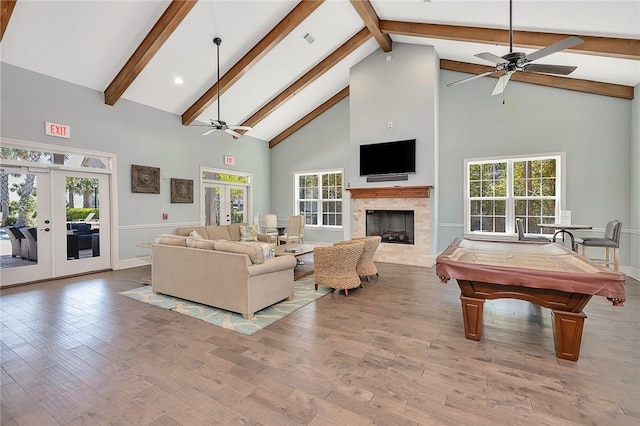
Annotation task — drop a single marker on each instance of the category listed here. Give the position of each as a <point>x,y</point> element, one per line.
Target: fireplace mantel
<point>391,192</point>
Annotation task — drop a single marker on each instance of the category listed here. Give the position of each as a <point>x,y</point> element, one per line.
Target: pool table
<point>547,274</point>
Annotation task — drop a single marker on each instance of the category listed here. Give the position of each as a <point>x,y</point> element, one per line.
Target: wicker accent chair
<point>366,267</point>
<point>335,266</point>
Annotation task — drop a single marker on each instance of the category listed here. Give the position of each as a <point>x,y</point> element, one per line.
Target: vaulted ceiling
<point>272,77</point>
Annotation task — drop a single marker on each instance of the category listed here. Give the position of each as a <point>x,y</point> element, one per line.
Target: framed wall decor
<point>181,190</point>
<point>145,179</point>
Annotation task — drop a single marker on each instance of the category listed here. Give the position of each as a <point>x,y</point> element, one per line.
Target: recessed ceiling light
<point>178,80</point>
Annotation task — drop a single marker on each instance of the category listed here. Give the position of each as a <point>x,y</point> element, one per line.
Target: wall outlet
<point>390,124</point>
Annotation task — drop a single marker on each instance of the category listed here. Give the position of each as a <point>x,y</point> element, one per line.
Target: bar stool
<point>611,240</point>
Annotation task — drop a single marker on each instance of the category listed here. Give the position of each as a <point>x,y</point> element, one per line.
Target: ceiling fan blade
<point>233,133</point>
<point>502,83</point>
<point>216,123</point>
<point>464,80</point>
<point>208,132</point>
<point>549,69</point>
<point>491,58</point>
<point>553,48</point>
<point>240,127</point>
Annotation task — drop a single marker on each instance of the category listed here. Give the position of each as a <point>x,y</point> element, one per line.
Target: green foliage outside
<point>74,214</point>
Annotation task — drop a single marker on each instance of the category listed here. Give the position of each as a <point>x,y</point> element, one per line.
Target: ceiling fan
<point>219,124</point>
<point>519,61</point>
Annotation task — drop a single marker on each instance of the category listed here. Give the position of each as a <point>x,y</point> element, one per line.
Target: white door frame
<point>225,192</point>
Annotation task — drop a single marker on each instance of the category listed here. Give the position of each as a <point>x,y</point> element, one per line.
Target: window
<point>319,198</point>
<point>500,190</point>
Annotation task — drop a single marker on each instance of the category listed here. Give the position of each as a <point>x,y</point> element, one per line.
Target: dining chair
<point>522,237</point>
<point>271,225</point>
<point>295,231</point>
<point>611,240</point>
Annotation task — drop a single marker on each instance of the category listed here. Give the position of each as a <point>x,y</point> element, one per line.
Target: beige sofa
<point>229,232</point>
<point>225,274</point>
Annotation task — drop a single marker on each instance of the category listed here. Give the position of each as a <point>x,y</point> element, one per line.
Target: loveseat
<point>225,274</point>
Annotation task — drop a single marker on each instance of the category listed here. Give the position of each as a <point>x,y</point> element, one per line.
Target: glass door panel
<point>25,237</point>
<point>224,204</point>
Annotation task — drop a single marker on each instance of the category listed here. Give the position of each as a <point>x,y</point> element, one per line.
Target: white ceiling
<point>88,42</point>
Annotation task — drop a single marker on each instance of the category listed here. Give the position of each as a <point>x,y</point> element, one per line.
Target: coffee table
<point>295,249</point>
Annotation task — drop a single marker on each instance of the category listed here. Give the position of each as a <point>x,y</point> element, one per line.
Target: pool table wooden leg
<point>567,333</point>
<point>472,310</point>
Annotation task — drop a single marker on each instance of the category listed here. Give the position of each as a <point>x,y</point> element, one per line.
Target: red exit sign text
<point>58,130</point>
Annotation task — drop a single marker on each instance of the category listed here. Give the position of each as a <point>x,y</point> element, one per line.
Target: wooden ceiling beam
<point>168,22</point>
<point>6,9</point>
<point>599,46</point>
<point>579,85</point>
<point>264,46</point>
<point>309,117</point>
<point>372,21</point>
<point>314,73</point>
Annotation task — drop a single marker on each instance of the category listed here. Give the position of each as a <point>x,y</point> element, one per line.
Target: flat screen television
<point>388,158</point>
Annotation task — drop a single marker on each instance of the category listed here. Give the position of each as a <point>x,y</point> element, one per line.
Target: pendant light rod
<point>510,26</point>
<point>217,41</point>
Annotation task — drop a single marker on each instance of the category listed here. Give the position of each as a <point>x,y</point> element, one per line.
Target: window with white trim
<point>499,191</point>
<point>319,197</point>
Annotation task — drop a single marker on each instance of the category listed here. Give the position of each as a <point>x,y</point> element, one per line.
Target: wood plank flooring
<point>75,352</point>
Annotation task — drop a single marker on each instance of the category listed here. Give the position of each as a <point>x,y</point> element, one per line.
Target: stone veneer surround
<point>418,254</point>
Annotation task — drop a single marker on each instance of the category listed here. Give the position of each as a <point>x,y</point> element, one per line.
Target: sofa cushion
<point>217,232</point>
<point>248,232</point>
<point>234,231</point>
<point>171,240</point>
<point>200,243</point>
<point>253,250</point>
<point>186,231</point>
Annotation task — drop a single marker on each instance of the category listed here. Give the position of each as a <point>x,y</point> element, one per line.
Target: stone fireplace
<point>405,198</point>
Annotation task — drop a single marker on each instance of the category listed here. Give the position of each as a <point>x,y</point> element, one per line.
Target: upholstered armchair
<point>295,231</point>
<point>365,266</point>
<point>335,266</point>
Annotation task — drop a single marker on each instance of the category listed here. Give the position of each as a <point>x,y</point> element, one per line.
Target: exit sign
<point>229,160</point>
<point>57,130</point>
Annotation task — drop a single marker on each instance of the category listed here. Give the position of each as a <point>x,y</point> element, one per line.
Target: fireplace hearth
<point>393,226</point>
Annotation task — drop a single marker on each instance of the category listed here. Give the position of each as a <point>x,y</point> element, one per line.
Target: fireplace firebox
<point>393,226</point>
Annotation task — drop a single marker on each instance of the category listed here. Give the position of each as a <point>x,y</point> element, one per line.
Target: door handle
<point>46,229</point>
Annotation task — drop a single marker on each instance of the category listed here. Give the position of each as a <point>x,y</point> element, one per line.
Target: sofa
<point>223,273</point>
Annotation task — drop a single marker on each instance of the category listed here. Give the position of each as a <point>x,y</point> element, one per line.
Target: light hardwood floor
<point>75,352</point>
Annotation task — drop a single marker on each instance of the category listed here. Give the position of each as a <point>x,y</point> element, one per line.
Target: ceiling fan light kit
<point>519,61</point>
<point>220,124</point>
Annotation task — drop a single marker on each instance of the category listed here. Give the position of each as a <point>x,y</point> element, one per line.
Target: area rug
<point>304,293</point>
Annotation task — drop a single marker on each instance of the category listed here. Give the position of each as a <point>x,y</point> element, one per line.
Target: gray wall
<point>138,135</point>
<point>320,145</point>
<point>634,222</point>
<point>402,90</point>
<point>594,131</point>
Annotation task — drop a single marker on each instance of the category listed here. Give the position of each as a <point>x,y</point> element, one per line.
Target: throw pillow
<point>171,240</point>
<point>194,234</point>
<point>249,233</point>
<point>200,243</point>
<point>268,251</point>
<point>251,249</point>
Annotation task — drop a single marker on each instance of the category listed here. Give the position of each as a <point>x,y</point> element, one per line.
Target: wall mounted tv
<point>388,158</point>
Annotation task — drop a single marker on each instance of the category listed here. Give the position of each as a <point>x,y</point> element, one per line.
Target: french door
<point>52,244</point>
<point>224,204</point>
